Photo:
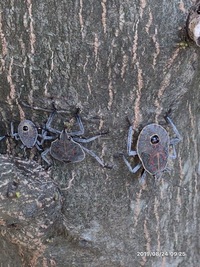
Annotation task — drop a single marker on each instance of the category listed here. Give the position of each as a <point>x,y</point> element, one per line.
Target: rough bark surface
<point>113,60</point>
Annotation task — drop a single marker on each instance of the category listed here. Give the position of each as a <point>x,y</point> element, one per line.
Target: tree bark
<point>114,60</point>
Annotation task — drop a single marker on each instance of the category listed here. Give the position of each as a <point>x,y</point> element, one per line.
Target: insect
<point>27,133</point>
<point>152,148</point>
<point>193,23</point>
<point>67,148</point>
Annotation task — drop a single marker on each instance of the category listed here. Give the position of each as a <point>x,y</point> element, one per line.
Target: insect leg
<point>132,169</point>
<point>91,153</point>
<point>80,124</point>
<point>129,142</point>
<point>178,137</point>
<point>142,179</point>
<point>82,140</point>
<point>45,137</point>
<point>176,140</point>
<point>13,135</point>
<point>48,123</point>
<point>173,155</point>
<point>2,137</point>
<point>43,155</point>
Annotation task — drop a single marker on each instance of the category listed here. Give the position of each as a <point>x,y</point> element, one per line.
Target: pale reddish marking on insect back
<point>137,113</point>
<point>137,207</point>
<point>147,236</point>
<point>81,17</point>
<point>156,205</point>
<point>32,35</point>
<point>103,16</point>
<point>149,23</point>
<point>157,46</point>
<point>182,6</point>
<point>124,65</point>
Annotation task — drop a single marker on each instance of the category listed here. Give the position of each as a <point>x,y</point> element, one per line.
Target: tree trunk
<point>114,60</point>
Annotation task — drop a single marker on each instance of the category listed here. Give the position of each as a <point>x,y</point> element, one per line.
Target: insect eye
<point>155,139</point>
<point>198,10</point>
<point>25,128</point>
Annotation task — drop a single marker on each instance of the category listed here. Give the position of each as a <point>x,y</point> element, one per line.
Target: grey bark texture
<point>114,60</point>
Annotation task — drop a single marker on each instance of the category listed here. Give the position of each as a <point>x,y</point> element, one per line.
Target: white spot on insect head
<point>197,34</point>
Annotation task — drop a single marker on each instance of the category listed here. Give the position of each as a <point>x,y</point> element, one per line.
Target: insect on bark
<point>68,146</point>
<point>152,149</point>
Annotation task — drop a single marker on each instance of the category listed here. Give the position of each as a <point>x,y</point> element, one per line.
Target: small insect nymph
<point>152,148</point>
<point>27,133</point>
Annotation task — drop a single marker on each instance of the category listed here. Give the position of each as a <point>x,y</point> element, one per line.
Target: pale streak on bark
<point>135,43</point>
<point>124,65</point>
<point>4,49</point>
<point>157,46</point>
<point>181,181</point>
<point>137,208</point>
<point>96,49</point>
<point>70,182</point>
<point>163,264</point>
<point>110,90</point>
<point>182,7</point>
<point>32,39</point>
<point>147,237</point>
<point>88,84</point>
<point>171,59</point>
<point>32,34</point>
<point>156,212</point>
<point>103,16</point>
<point>49,81</point>
<point>140,83</point>
<point>149,23</point>
<point>101,123</point>
<point>23,49</point>
<point>121,18</point>
<point>139,79</point>
<point>195,154</point>
<point>157,103</point>
<point>12,94</point>
<point>81,17</point>
<point>142,7</point>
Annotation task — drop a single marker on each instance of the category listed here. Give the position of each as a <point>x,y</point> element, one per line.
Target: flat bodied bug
<point>67,148</point>
<point>152,149</point>
<point>28,134</point>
